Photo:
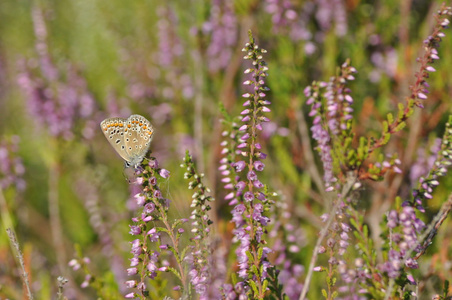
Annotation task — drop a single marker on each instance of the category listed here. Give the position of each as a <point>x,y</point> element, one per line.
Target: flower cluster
<point>332,113</point>
<point>12,169</point>
<point>329,12</point>
<point>171,49</point>
<point>82,263</point>
<point>291,19</point>
<point>199,258</point>
<point>404,225</point>
<point>288,240</point>
<point>439,168</point>
<point>331,108</point>
<point>286,19</point>
<point>335,246</point>
<point>223,28</point>
<point>411,226</point>
<point>229,152</point>
<point>248,214</point>
<point>419,90</point>
<point>424,161</point>
<point>56,103</point>
<point>154,208</point>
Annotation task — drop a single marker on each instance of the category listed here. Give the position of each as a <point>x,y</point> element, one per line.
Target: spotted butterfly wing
<point>130,137</point>
<point>137,138</point>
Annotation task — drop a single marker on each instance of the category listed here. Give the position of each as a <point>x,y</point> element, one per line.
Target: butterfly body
<point>130,137</point>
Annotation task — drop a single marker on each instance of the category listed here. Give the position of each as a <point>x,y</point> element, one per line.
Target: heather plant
<point>302,173</point>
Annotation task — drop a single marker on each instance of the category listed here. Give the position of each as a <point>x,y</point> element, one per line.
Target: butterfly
<point>130,137</point>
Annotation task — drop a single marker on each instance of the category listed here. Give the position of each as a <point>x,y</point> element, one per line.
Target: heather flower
<point>12,169</point>
<point>146,248</point>
<point>199,259</point>
<point>248,212</point>
<point>55,104</point>
<point>332,113</point>
<point>438,168</point>
<point>222,26</point>
<point>169,56</point>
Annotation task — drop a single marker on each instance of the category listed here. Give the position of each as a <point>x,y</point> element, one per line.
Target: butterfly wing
<point>113,129</point>
<point>137,138</point>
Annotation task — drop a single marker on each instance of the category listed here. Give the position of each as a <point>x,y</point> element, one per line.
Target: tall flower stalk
<point>249,213</point>
<point>199,258</point>
<point>149,228</point>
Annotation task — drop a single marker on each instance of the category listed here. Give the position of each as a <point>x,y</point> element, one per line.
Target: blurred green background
<point>174,62</point>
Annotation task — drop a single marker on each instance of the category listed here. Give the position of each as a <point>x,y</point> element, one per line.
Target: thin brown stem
<point>54,214</point>
<point>24,275</point>
<point>307,150</point>
<point>324,232</point>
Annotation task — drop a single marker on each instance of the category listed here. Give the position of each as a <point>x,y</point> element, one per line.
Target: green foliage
<point>119,48</point>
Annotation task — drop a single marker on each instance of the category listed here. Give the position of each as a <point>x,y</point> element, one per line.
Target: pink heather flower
<point>397,170</point>
<point>157,194</point>
<point>149,208</point>
<point>248,196</point>
<point>324,217</point>
<point>132,271</point>
<point>251,176</point>
<point>245,136</point>
<point>258,165</point>
<point>134,261</point>
<point>130,296</point>
<point>152,180</point>
<point>243,127</point>
<point>164,173</point>
<point>240,186</point>
<point>329,189</point>
<point>430,69</point>
<point>134,230</point>
<point>258,184</point>
<point>153,164</point>
<point>229,196</point>
<point>140,199</point>
<point>74,264</point>
<point>261,155</point>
